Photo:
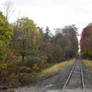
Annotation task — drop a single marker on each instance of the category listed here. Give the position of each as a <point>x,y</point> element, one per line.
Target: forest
<point>26,49</point>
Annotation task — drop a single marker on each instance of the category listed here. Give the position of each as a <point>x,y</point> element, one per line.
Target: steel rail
<point>82,80</point>
<point>69,77</point>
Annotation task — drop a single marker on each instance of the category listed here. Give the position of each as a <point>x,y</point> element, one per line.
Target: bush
<point>2,56</point>
<point>14,67</point>
<point>3,73</point>
<point>25,69</point>
<point>33,62</point>
<point>13,80</point>
<point>25,78</point>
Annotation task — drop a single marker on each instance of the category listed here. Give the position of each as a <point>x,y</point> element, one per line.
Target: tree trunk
<point>23,56</point>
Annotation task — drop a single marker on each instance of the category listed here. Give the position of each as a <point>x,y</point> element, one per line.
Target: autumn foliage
<point>26,49</point>
<point>86,42</point>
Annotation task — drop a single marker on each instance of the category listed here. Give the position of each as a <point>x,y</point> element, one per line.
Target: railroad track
<point>78,72</point>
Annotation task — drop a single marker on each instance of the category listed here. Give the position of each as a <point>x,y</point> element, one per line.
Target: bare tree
<point>7,9</point>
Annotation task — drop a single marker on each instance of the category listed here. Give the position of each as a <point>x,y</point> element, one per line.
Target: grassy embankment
<point>88,63</point>
<point>56,67</point>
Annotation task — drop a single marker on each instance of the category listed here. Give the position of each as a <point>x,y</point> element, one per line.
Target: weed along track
<point>75,78</point>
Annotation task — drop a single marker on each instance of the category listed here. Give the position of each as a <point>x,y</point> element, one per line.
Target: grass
<point>56,68</point>
<point>88,63</point>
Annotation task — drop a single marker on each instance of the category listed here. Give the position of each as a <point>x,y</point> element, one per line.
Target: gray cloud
<point>55,13</point>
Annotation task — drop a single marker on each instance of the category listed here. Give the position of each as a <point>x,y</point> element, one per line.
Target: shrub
<point>2,56</point>
<point>33,62</point>
<point>25,69</point>
<point>25,78</point>
<point>13,67</point>
<point>13,80</point>
<point>3,72</point>
<point>35,67</point>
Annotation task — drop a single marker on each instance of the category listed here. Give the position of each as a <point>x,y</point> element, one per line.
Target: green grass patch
<point>56,68</point>
<point>88,63</point>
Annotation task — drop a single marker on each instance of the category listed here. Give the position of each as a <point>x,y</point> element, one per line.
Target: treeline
<point>86,42</point>
<point>26,49</point>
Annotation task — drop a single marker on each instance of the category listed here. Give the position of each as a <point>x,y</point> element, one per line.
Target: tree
<point>25,37</point>
<point>5,30</point>
<point>86,43</point>
<point>71,33</point>
<point>7,9</point>
<point>66,38</point>
<point>5,35</point>
<point>47,34</point>
<point>69,30</point>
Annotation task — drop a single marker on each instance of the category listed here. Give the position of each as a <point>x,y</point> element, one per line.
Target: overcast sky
<point>54,13</point>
